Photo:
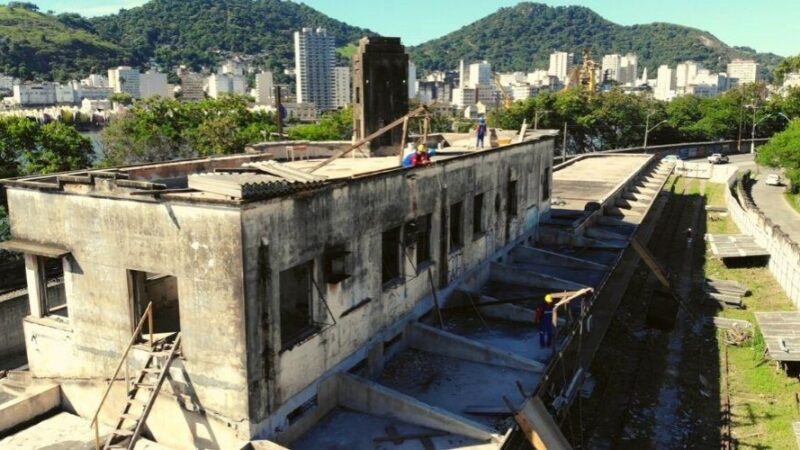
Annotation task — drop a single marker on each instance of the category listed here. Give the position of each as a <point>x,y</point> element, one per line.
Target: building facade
<point>743,71</point>
<point>265,87</point>
<point>124,80</point>
<point>342,96</point>
<point>315,53</point>
<point>561,65</point>
<point>154,84</point>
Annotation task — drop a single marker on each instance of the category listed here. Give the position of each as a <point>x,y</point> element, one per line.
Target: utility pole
<point>564,145</point>
<point>741,119</point>
<point>648,128</point>
<point>536,118</point>
<point>279,109</point>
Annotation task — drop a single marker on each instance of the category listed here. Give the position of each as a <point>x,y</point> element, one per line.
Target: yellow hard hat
<point>422,147</point>
<point>548,298</point>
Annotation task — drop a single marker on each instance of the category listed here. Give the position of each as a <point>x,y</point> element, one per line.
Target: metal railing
<point>147,315</point>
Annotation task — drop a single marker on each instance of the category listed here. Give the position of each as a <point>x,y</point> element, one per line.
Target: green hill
<point>195,31</point>
<point>36,45</point>
<point>520,38</point>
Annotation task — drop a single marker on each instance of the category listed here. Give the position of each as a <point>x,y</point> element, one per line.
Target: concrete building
<point>154,84</point>
<point>465,97</point>
<point>93,93</point>
<point>220,84</point>
<point>315,53</point>
<point>522,91</point>
<point>34,94</point>
<point>743,71</point>
<point>341,89</point>
<point>510,79</point>
<point>622,69</point>
<point>791,80</point>
<point>265,88</point>
<point>192,84</point>
<point>124,79</point>
<point>685,74</point>
<point>95,80</point>
<point>412,80</point>
<point>65,94</point>
<point>665,84</point>
<point>611,66</point>
<point>480,74</point>
<point>561,65</point>
<point>7,82</point>
<point>380,88</point>
<point>232,67</point>
<point>304,112</point>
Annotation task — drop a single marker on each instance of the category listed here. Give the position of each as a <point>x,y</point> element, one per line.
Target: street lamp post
<point>536,118</point>
<point>648,128</point>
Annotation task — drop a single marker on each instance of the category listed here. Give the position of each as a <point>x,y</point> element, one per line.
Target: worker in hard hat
<point>481,132</point>
<point>544,318</point>
<point>421,157</point>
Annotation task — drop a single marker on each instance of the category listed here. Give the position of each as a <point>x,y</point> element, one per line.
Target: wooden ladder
<point>131,422</point>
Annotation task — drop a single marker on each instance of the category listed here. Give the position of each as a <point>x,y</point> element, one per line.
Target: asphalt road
<point>770,199</point>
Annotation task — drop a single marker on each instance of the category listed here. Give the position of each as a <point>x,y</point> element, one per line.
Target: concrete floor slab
<point>454,384</point>
<point>343,429</point>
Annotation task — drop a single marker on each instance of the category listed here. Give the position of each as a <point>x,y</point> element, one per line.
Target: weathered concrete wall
<point>34,403</point>
<point>199,245</point>
<point>686,149</point>
<point>784,259</point>
<point>288,231</point>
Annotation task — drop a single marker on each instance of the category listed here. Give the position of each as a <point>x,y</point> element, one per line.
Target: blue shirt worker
<point>481,132</point>
<point>544,318</point>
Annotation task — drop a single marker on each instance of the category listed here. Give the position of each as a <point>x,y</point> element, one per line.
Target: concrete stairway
<point>149,380</point>
<point>633,203</point>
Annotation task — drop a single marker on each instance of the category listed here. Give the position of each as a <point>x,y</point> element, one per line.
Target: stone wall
<point>784,261</point>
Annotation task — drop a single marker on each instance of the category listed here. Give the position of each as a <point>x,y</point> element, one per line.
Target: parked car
<point>773,179</point>
<point>718,158</point>
<point>670,159</point>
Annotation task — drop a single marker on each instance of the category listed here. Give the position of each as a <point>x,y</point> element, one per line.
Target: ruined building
<point>380,90</point>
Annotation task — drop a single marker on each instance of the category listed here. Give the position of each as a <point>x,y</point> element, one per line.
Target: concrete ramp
<point>507,273</point>
<point>539,427</point>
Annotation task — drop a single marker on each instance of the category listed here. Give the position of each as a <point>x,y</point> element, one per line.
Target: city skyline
<point>768,30</point>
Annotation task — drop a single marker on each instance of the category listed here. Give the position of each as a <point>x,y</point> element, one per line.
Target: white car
<point>773,179</point>
<point>670,159</point>
<point>718,158</point>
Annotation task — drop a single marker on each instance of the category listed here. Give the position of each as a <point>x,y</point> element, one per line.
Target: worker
<point>481,129</point>
<point>408,154</point>
<point>421,157</point>
<point>544,318</point>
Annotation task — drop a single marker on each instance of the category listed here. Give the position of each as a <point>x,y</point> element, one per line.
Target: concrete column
<point>36,288</point>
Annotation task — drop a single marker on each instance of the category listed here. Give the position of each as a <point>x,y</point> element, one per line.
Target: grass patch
<point>794,200</point>
<point>762,397</point>
<point>348,50</point>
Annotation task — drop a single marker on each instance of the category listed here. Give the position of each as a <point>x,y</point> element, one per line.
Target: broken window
<point>162,291</point>
<point>456,226</point>
<point>423,240</point>
<point>512,198</point>
<point>546,184</point>
<point>296,297</point>
<point>477,216</point>
<point>390,256</point>
<point>51,277</point>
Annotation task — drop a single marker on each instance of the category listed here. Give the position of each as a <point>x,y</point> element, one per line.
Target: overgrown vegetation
<point>523,36</point>
<point>333,126</point>
<point>615,119</point>
<point>160,129</point>
<point>27,147</point>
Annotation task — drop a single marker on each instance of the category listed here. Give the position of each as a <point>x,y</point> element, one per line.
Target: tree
<point>123,98</point>
<point>783,150</point>
<point>788,65</point>
<point>333,126</point>
<point>60,148</point>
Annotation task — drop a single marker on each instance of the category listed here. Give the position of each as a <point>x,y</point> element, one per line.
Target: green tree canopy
<point>783,150</point>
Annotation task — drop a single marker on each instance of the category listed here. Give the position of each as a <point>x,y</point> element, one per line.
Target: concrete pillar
<point>36,288</point>
<point>372,398</point>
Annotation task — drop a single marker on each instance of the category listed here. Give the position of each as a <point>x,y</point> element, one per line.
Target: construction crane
<point>507,98</point>
<point>585,74</point>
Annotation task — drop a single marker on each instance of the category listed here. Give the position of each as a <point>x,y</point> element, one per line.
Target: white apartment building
<point>7,82</point>
<point>412,80</point>
<point>34,94</point>
<point>622,69</point>
<point>341,87</point>
<point>124,79</point>
<point>314,52</point>
<point>743,71</point>
<point>665,84</point>
<point>232,67</point>
<point>522,91</point>
<point>265,85</point>
<point>152,84</point>
<point>304,112</point>
<point>538,77</point>
<point>510,79</point>
<point>464,97</point>
<point>95,80</point>
<point>65,94</point>
<point>685,73</point>
<point>561,65</point>
<point>480,74</point>
<point>220,84</point>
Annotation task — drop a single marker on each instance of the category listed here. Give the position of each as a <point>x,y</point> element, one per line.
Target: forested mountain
<point>193,31</point>
<point>36,45</point>
<point>522,37</point>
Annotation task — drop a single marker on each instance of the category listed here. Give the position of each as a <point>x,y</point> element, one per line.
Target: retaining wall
<point>784,261</point>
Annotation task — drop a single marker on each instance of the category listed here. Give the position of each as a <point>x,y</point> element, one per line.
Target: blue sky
<point>766,25</point>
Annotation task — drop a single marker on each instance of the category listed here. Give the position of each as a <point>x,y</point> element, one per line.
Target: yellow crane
<point>507,98</point>
<point>585,74</point>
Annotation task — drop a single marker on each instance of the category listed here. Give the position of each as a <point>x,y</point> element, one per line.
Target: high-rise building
<point>412,80</point>
<point>124,79</point>
<point>265,85</point>
<point>95,80</point>
<point>611,66</point>
<point>341,87</point>
<point>480,74</point>
<point>685,74</point>
<point>629,69</point>
<point>380,84</point>
<point>314,52</point>
<point>152,84</point>
<point>742,71</point>
<point>665,86</point>
<point>231,67</point>
<point>191,84</point>
<point>560,65</point>
<point>219,84</point>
